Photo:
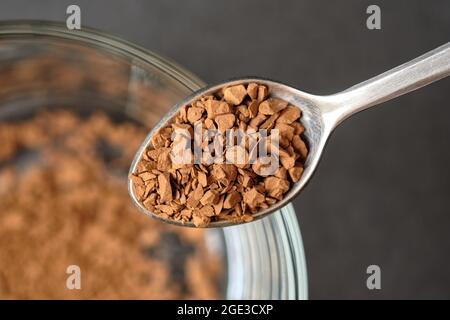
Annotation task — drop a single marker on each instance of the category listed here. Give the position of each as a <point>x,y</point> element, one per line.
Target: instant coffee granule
<point>226,187</point>
<point>64,201</point>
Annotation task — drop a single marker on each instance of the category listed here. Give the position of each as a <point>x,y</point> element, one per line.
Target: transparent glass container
<point>44,64</point>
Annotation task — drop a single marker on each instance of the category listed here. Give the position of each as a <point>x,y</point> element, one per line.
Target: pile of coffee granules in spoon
<point>235,182</point>
<point>64,201</point>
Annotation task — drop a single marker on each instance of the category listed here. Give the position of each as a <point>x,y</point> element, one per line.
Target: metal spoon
<point>322,114</point>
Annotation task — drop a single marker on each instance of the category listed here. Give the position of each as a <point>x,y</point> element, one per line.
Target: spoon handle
<point>412,75</point>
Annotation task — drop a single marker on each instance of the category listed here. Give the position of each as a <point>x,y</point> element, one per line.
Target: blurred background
<point>381,193</point>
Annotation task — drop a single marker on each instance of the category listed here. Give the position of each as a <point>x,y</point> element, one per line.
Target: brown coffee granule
<point>231,190</point>
<point>63,201</point>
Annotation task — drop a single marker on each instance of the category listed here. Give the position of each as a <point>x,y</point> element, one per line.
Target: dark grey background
<point>381,193</point>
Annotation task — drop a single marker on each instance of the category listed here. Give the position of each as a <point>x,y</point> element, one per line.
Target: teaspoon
<point>321,114</point>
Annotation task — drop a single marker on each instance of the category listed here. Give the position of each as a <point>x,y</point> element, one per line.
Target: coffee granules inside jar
<point>229,187</point>
<point>63,201</point>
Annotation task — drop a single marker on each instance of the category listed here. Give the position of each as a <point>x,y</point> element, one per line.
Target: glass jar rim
<point>98,38</point>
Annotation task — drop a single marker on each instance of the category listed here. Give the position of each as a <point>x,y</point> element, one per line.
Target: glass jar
<point>44,64</point>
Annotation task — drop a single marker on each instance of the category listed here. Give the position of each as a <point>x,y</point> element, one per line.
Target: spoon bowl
<point>320,114</point>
